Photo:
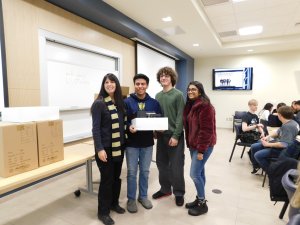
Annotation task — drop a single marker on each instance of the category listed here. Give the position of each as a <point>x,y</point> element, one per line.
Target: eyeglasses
<point>191,90</point>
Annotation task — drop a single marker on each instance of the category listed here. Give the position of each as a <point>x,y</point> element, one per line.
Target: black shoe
<point>179,200</point>
<point>255,170</point>
<point>192,204</point>
<point>106,219</point>
<point>160,194</point>
<point>200,209</point>
<point>117,209</point>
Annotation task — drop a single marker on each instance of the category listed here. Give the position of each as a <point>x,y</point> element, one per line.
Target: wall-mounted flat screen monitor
<point>233,79</point>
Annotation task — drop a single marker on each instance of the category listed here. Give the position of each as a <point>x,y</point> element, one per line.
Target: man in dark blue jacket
<point>139,143</point>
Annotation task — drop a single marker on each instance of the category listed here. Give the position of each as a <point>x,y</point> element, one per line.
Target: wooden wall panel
<point>24,97</point>
<point>23,19</point>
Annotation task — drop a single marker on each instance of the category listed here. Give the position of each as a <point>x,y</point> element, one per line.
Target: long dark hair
<point>117,95</point>
<point>200,88</point>
<point>268,106</point>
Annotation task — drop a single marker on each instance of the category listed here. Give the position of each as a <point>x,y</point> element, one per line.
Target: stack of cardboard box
<point>25,146</point>
<point>50,141</point>
<point>18,148</point>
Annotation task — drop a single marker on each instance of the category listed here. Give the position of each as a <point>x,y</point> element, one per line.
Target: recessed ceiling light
<point>167,19</point>
<point>250,30</point>
<point>196,45</point>
<point>234,1</point>
<point>250,50</point>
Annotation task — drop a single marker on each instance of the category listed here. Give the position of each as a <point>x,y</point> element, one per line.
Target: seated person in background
<point>296,108</point>
<point>273,120</point>
<point>264,115</point>
<point>265,112</point>
<point>284,136</point>
<point>250,121</point>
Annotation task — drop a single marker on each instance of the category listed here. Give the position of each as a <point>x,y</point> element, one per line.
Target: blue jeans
<point>263,156</point>
<point>255,148</point>
<point>197,171</point>
<point>260,155</point>
<point>138,157</point>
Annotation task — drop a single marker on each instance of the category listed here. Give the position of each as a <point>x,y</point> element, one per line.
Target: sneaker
<point>179,200</point>
<point>146,203</point>
<point>160,194</point>
<point>117,209</point>
<point>192,204</point>
<point>106,219</point>
<point>200,209</point>
<point>131,206</point>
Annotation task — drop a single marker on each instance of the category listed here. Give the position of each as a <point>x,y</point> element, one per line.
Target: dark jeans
<point>260,155</point>
<point>170,164</point>
<point>110,184</point>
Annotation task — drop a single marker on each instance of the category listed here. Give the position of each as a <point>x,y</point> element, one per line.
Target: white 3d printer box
<point>151,123</point>
<point>28,114</point>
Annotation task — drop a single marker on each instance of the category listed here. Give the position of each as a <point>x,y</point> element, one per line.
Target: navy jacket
<point>140,139</point>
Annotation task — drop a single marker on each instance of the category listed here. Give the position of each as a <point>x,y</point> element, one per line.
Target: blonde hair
<point>252,102</point>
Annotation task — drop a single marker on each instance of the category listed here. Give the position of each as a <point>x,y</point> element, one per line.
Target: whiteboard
<point>71,76</point>
<point>74,75</point>
<point>148,63</point>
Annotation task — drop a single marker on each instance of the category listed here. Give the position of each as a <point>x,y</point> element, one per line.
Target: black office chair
<point>238,131</point>
<point>293,152</point>
<point>276,171</point>
<point>237,118</point>
<point>295,220</point>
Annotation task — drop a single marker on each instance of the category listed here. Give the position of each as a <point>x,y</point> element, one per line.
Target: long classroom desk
<point>74,156</point>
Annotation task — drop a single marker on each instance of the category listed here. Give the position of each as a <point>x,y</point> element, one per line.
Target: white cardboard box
<point>156,123</point>
<point>28,114</point>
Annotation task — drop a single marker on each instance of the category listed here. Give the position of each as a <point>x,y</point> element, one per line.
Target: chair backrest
<point>237,118</point>
<point>239,114</point>
<point>295,220</point>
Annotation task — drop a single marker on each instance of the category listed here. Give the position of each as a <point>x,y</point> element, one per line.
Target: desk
<point>75,155</point>
<point>272,129</point>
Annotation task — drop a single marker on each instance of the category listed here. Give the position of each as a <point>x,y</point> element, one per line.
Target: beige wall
<point>23,18</point>
<point>276,79</point>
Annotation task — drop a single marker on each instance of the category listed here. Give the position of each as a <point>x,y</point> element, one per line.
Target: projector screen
<point>149,62</point>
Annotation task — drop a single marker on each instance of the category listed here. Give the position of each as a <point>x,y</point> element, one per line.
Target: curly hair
<point>167,71</point>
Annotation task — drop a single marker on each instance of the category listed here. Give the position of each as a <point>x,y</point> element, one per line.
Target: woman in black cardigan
<point>109,127</point>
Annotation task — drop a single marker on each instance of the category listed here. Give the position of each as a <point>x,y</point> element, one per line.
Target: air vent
<point>227,33</point>
<point>213,2</point>
<point>170,31</point>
